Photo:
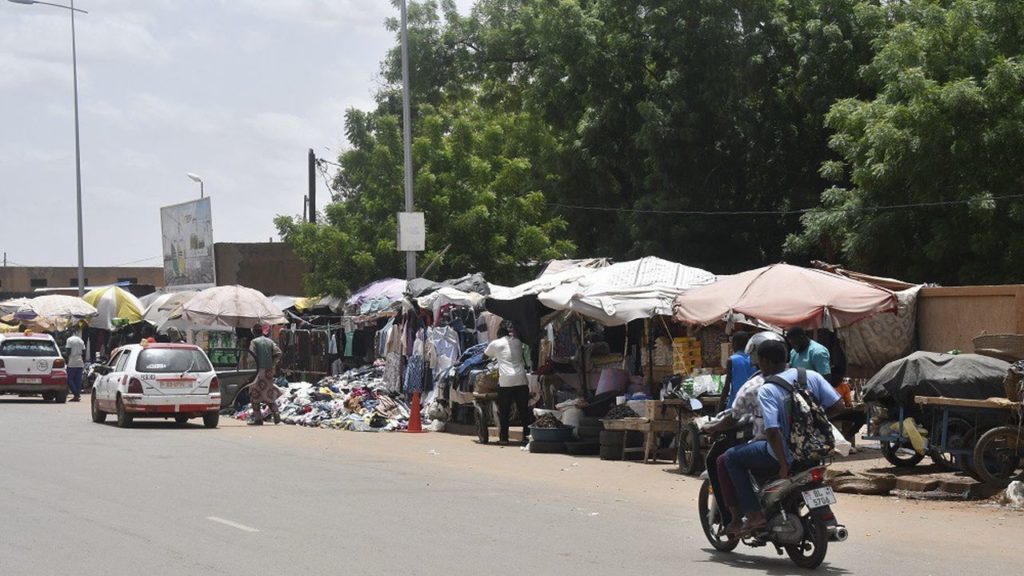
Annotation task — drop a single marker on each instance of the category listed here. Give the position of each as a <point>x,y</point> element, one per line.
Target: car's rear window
<point>28,348</point>
<point>172,360</point>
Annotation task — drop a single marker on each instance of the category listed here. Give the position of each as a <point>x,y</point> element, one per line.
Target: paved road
<point>79,498</point>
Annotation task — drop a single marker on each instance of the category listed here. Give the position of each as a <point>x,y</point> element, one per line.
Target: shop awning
<point>627,291</point>
<point>786,296</point>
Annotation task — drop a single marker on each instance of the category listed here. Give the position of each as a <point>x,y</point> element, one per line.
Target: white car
<point>157,381</point>
<point>31,364</point>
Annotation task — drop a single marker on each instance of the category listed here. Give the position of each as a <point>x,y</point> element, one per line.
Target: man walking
<point>76,365</point>
<point>263,390</point>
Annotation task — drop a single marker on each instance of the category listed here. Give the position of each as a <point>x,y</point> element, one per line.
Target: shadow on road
<point>763,564</point>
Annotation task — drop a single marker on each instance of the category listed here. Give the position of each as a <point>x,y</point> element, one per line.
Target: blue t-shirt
<point>775,402</point>
<point>740,370</point>
<point>816,358</point>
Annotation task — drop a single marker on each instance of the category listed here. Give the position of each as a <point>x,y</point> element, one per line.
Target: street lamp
<point>78,148</point>
<point>196,178</point>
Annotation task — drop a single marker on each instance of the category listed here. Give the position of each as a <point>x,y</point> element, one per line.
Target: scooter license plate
<point>819,497</point>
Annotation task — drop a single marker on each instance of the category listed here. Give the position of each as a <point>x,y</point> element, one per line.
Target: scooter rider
<point>770,456</point>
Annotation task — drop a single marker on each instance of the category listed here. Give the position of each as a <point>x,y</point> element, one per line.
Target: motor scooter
<point>798,508</point>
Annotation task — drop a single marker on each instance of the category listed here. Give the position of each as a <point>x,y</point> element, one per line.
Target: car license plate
<point>30,380</point>
<point>819,497</point>
<point>176,383</point>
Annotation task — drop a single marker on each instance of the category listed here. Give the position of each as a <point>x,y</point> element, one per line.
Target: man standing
<point>76,365</point>
<point>513,386</point>
<point>263,390</point>
<point>738,369</point>
<point>808,354</point>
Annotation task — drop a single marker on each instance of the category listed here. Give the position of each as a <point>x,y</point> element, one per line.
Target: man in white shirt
<point>76,365</point>
<point>513,387</point>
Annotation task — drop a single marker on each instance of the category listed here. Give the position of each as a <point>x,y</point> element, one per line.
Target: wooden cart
<point>993,454</point>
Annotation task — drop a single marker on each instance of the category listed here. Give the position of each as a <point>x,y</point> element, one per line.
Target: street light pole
<point>410,256</point>
<point>196,178</point>
<point>78,147</point>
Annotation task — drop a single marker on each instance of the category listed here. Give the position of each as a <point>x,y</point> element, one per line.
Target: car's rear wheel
<point>124,419</point>
<point>60,397</point>
<point>98,416</point>
<point>211,419</point>
<point>48,397</point>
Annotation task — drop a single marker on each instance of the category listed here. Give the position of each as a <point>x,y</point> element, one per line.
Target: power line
<point>797,211</point>
<point>138,261</point>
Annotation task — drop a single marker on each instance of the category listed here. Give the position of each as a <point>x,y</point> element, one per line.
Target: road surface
<point>81,498</point>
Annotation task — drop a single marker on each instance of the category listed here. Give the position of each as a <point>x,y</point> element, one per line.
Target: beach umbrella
<point>228,307</point>
<point>54,312</point>
<point>113,302</point>
<point>786,296</point>
<point>163,306</point>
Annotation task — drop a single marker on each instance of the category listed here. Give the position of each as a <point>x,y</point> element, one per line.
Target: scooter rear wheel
<point>713,529</point>
<point>810,552</point>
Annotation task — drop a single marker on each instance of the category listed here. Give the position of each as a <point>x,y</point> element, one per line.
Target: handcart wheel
<point>959,434</point>
<point>898,458</point>
<point>483,421</point>
<point>690,460</point>
<point>998,454</point>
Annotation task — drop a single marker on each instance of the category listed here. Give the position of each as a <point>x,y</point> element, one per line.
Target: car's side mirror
<point>101,369</point>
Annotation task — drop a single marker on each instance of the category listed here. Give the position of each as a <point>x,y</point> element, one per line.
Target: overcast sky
<point>233,90</point>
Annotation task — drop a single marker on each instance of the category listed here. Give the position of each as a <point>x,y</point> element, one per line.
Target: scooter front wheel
<point>711,520</point>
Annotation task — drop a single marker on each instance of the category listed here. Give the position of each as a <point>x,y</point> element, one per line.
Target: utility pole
<point>312,187</point>
<point>410,256</point>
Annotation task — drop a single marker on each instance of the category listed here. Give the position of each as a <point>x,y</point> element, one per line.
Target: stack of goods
<point>356,400</point>
<point>621,411</point>
<point>685,355</point>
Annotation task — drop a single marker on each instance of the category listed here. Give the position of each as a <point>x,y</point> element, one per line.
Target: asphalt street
<point>81,498</point>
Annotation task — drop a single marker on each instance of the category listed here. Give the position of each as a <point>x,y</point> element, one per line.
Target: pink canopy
<point>786,296</point>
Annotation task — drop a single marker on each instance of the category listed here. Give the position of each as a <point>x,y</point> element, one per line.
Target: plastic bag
<point>843,446</point>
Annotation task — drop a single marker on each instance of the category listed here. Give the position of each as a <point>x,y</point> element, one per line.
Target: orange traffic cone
<point>415,425</point>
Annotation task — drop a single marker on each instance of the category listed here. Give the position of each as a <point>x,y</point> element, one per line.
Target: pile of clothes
<point>356,400</point>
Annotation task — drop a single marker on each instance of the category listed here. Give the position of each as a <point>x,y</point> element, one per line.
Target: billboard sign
<point>188,243</point>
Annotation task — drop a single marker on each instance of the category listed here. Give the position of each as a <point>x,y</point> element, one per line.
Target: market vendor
<point>808,354</point>
<point>738,369</point>
<point>513,387</point>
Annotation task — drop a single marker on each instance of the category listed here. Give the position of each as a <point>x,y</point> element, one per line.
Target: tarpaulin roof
<point>786,296</point>
<point>377,295</point>
<point>470,283</point>
<point>970,376</point>
<point>626,291</point>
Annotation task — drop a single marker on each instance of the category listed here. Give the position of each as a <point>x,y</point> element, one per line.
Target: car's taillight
<point>214,385</point>
<point>817,475</point>
<point>134,386</point>
<point>58,363</point>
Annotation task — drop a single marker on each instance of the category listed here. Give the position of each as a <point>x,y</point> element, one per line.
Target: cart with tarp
<point>937,405</point>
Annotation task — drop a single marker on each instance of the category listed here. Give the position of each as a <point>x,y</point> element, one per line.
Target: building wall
<point>24,280</point>
<point>950,317</point>
<point>270,267</point>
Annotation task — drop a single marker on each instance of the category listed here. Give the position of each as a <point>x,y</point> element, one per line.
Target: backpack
<point>810,432</point>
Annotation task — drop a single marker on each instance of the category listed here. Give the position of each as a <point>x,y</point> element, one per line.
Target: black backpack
<point>810,432</point>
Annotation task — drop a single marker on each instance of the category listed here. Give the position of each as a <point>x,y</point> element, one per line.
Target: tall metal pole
<point>410,257</point>
<point>78,159</point>
<point>312,187</point>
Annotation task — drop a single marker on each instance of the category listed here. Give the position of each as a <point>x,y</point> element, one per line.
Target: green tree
<point>482,174</point>
<point>947,125</point>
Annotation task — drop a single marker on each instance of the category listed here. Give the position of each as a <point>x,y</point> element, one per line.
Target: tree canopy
<point>724,134</point>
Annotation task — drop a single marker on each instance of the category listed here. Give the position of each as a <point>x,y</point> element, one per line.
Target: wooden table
<point>651,426</point>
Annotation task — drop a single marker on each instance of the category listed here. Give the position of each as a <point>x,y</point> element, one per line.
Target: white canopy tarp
<point>225,308</point>
<point>448,295</point>
<point>627,291</point>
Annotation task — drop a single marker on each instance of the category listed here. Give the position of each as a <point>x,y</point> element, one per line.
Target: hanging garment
<point>444,342</point>
<point>332,345</point>
<point>414,372</point>
<point>393,372</point>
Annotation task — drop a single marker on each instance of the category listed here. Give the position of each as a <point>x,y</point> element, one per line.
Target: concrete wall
<point>270,267</point>
<point>23,280</point>
<point>950,317</point>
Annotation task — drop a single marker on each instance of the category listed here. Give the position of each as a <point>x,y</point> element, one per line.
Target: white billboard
<point>188,243</point>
